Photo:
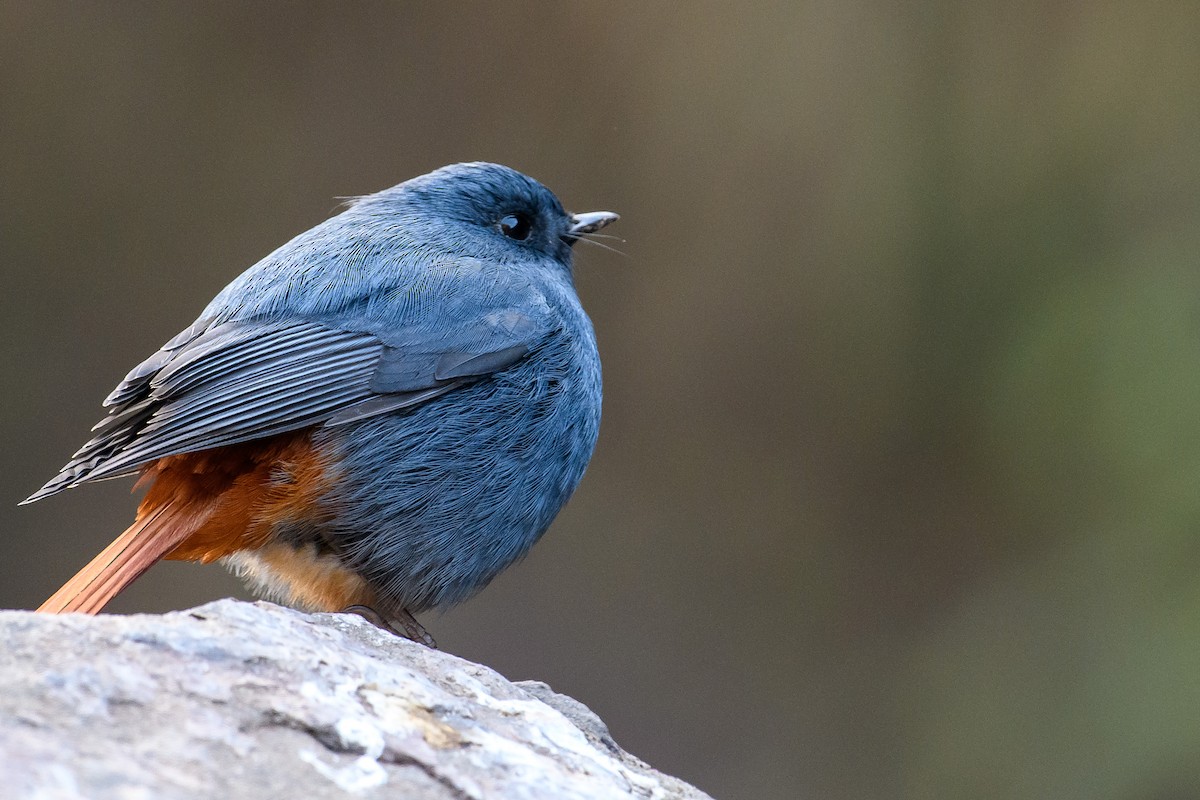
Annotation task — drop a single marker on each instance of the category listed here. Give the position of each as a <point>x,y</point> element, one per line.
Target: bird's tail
<point>156,533</point>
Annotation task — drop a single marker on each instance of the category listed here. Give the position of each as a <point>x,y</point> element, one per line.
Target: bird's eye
<point>516,226</point>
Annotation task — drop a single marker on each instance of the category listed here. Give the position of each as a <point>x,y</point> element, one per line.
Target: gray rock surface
<point>241,700</point>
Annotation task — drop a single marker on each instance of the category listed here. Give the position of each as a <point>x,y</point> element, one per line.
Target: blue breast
<point>435,501</point>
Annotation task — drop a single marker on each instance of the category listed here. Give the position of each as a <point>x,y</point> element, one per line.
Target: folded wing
<point>215,386</point>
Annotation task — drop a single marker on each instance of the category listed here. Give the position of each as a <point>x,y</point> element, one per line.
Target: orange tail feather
<point>132,553</point>
<point>200,507</point>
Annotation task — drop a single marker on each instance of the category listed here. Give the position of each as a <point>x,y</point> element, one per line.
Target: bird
<point>378,417</point>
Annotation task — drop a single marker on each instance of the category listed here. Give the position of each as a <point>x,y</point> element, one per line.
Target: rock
<point>241,700</point>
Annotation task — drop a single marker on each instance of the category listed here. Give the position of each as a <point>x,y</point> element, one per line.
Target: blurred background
<point>896,491</point>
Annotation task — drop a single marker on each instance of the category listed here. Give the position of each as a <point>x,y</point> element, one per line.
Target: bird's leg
<point>401,624</point>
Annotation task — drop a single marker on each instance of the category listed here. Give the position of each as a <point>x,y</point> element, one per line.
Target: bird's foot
<point>402,624</point>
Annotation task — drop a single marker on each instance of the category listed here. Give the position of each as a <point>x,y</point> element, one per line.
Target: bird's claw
<point>402,624</point>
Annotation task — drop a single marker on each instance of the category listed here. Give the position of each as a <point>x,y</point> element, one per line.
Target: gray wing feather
<point>140,375</point>
<point>242,381</point>
<point>458,365</point>
<point>385,403</point>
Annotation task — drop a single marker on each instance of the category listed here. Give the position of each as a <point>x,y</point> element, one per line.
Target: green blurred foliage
<point>895,494</point>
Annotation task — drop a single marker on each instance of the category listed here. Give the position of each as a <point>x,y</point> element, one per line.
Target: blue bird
<point>380,416</point>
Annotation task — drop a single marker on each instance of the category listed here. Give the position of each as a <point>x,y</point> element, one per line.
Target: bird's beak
<point>590,222</point>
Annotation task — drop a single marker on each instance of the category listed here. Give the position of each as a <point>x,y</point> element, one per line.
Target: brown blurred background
<point>896,492</point>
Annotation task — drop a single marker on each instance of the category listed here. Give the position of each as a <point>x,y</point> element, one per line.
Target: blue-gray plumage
<point>423,365</point>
